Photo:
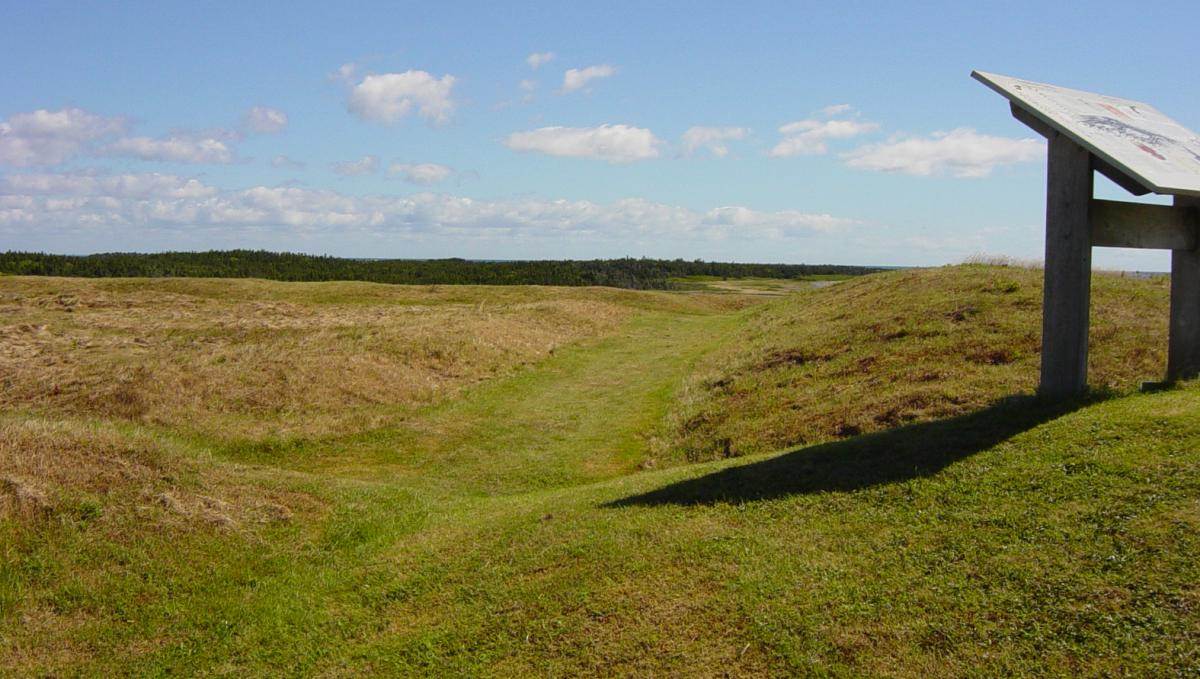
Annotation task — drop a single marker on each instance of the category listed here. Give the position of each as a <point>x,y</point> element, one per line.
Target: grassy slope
<point>502,532</point>
<point>974,546</point>
<point>903,347</point>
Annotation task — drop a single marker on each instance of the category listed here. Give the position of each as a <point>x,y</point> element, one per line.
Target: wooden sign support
<point>1066,294</point>
<point>1183,353</point>
<point>1142,151</point>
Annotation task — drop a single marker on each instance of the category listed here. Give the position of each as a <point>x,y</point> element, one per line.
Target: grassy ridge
<point>903,347</point>
<point>544,520</point>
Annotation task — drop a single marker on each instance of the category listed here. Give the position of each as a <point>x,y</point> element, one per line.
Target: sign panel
<point>1134,137</point>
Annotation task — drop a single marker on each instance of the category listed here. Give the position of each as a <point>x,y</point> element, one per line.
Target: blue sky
<point>797,132</point>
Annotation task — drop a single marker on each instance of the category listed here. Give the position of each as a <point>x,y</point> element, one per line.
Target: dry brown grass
<point>255,357</point>
<point>110,479</point>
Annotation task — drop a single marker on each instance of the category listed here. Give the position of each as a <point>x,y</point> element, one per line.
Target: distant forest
<point>280,266</point>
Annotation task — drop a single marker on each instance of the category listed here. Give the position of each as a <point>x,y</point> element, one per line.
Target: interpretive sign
<point>1142,150</point>
<point>1135,137</point>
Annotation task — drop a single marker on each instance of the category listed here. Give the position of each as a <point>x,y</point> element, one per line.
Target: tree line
<point>283,266</point>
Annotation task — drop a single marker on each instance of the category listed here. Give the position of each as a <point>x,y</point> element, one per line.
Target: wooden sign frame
<point>1076,222</point>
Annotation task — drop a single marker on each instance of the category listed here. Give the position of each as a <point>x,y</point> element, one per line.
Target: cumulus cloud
<point>52,137</point>
<point>44,137</point>
<point>614,143</point>
<point>143,185</point>
<point>810,137</point>
<point>778,224</point>
<point>264,120</point>
<point>175,148</point>
<point>713,139</point>
<point>421,173</point>
<point>286,162</point>
<point>537,59</point>
<point>356,168</point>
<point>962,152</point>
<point>578,78</point>
<point>388,97</point>
<point>166,202</point>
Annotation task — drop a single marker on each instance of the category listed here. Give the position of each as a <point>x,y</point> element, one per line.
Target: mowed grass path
<point>584,414</point>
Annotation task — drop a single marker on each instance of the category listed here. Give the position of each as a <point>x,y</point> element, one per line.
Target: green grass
<point>554,519</point>
<point>898,348</point>
<point>584,414</point>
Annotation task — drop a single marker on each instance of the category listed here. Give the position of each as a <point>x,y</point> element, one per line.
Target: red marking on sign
<point>1114,110</point>
<point>1151,151</point>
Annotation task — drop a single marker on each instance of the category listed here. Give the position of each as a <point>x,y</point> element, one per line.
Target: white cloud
<point>51,137</point>
<point>836,110</point>
<point>962,152</point>
<point>537,59</point>
<point>286,162</point>
<point>956,244</point>
<point>578,78</point>
<point>142,185</point>
<point>175,148</point>
<point>264,120</point>
<point>421,173</point>
<point>44,137</point>
<point>388,97</point>
<point>810,137</point>
<point>356,168</point>
<point>614,143</point>
<point>528,87</point>
<point>70,203</point>
<point>711,138</point>
<point>775,224</point>
<point>345,73</point>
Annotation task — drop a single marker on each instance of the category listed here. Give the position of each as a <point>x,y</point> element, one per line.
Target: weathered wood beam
<point>1183,344</point>
<point>1116,224</point>
<point>1067,292</point>
<point>1031,121</point>
<point>1118,177</point>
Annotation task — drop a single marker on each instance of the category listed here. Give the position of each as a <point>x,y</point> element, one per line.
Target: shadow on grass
<point>863,461</point>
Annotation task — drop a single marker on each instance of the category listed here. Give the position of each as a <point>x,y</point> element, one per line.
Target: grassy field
<point>240,477</point>
<point>754,286</point>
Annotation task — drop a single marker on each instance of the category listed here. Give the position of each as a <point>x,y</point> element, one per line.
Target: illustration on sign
<point>1134,136</point>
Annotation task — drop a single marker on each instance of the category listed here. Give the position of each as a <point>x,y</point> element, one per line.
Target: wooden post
<point>1067,291</point>
<point>1183,352</point>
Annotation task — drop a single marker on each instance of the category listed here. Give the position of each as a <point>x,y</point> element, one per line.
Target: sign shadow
<point>861,462</point>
